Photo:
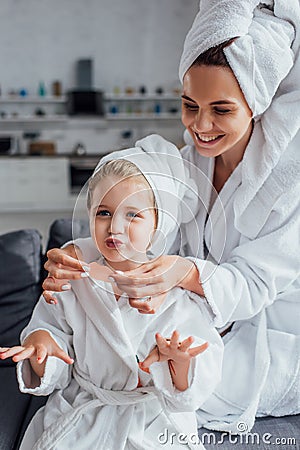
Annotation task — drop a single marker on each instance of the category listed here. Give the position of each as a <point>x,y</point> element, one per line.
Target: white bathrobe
<point>95,404</point>
<point>251,278</point>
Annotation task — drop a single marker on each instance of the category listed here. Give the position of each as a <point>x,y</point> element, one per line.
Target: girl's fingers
<point>186,344</point>
<point>151,358</point>
<point>197,350</point>
<point>3,349</point>
<point>41,353</point>
<point>25,354</point>
<point>10,352</point>
<point>162,343</point>
<point>174,340</point>
<point>59,353</point>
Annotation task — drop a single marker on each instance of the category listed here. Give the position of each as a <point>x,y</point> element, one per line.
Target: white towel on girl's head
<point>266,62</point>
<point>175,193</point>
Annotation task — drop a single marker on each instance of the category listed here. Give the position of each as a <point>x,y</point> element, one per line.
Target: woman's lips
<point>113,243</point>
<point>207,141</point>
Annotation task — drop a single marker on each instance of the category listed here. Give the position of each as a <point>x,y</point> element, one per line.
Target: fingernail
<point>66,287</point>
<point>86,268</point>
<point>119,272</point>
<point>111,279</point>
<point>84,275</point>
<point>52,302</point>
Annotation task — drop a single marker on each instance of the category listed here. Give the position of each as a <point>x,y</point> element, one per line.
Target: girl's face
<point>122,221</point>
<point>215,111</point>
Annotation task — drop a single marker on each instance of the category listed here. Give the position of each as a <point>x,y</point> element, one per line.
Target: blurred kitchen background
<point>77,80</point>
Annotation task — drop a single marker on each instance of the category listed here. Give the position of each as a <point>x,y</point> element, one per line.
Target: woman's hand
<point>36,347</point>
<point>63,265</point>
<point>179,355</point>
<point>156,277</point>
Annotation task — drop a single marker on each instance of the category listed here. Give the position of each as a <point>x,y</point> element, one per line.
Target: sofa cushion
<point>64,230</point>
<point>20,256</point>
<point>267,433</point>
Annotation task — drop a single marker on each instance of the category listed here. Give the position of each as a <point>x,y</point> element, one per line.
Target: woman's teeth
<point>207,138</point>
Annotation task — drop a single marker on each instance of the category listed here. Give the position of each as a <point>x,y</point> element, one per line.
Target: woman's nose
<point>203,121</point>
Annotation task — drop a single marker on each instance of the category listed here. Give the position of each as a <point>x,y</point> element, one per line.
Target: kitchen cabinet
<point>34,184</point>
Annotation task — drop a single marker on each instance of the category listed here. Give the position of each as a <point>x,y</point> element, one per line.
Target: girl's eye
<point>222,111</point>
<point>190,107</point>
<point>132,214</point>
<point>103,213</point>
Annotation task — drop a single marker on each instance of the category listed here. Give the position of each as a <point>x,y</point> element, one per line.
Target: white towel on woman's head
<point>266,62</point>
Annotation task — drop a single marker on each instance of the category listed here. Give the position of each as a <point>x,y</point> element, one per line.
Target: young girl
<point>85,351</point>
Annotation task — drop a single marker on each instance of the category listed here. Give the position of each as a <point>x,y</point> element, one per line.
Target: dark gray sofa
<point>21,275</point>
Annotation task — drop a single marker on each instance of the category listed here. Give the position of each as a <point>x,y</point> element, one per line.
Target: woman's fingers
<point>49,297</point>
<point>52,284</point>
<point>142,306</point>
<point>65,257</point>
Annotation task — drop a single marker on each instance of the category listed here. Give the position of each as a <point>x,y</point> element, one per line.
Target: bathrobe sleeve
<point>57,373</point>
<point>259,269</point>
<point>191,319</point>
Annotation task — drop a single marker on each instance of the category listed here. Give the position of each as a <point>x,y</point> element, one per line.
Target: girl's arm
<point>178,354</point>
<point>36,348</point>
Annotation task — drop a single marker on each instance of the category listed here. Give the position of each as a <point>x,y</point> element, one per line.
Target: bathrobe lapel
<point>103,311</point>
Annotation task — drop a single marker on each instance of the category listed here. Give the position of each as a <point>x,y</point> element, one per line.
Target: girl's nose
<point>116,225</point>
<point>203,121</point>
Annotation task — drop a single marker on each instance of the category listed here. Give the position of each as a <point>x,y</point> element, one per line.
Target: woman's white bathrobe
<point>95,404</point>
<point>251,278</point>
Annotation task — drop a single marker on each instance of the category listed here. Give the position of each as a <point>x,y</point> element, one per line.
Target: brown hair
<point>214,56</point>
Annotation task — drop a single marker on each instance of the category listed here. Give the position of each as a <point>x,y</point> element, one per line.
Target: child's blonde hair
<point>122,169</point>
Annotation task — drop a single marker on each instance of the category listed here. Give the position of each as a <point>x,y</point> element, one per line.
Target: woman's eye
<point>190,107</point>
<point>103,213</point>
<point>221,110</point>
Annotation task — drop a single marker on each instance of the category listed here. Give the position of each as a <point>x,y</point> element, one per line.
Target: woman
<point>241,108</point>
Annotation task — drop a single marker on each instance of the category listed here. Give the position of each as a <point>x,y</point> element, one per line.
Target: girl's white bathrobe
<point>95,404</point>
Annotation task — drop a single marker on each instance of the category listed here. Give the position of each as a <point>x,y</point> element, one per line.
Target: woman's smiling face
<point>215,112</point>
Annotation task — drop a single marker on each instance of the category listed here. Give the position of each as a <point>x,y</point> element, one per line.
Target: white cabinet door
<point>38,183</point>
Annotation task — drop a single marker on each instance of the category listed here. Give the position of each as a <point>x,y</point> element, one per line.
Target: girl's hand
<point>179,355</point>
<point>156,277</point>
<point>36,347</point>
<point>63,265</point>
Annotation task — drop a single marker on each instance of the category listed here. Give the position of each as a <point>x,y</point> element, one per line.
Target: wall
<point>132,42</point>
